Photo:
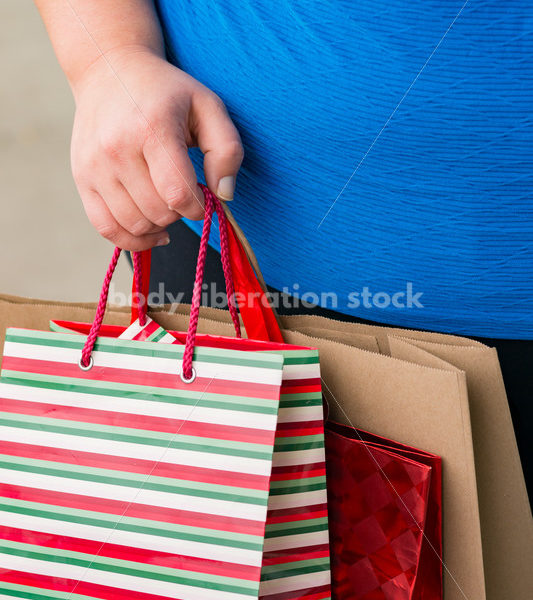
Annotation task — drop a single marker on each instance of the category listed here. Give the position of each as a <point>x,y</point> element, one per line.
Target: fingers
<point>106,224</point>
<point>221,144</point>
<point>136,179</point>
<point>173,174</point>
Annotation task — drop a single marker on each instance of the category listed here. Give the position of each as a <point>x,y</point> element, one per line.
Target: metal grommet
<point>191,378</point>
<point>88,367</point>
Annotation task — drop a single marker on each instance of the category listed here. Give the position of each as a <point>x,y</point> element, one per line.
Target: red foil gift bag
<point>385,518</point>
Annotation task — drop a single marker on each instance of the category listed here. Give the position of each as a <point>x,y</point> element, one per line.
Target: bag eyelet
<point>191,378</point>
<point>86,367</point>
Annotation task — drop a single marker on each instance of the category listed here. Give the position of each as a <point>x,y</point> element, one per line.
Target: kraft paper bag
<point>506,525</point>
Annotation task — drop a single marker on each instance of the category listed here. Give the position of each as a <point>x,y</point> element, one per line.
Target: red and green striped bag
<point>143,470</point>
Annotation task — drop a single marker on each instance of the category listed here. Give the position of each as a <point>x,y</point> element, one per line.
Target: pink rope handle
<point>100,311</point>
<point>212,203</point>
<point>225,257</point>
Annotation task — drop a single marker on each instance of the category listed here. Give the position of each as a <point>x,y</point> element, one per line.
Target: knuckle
<point>234,150</point>
<point>176,197</point>
<point>140,227</point>
<point>217,102</point>
<point>109,231</point>
<point>164,221</point>
<point>112,145</point>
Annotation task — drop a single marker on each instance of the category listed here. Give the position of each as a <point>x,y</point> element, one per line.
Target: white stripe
<point>300,413</point>
<point>131,539</point>
<point>173,456</point>
<point>117,580</point>
<point>151,364</point>
<point>306,582</point>
<point>296,541</point>
<point>294,500</point>
<point>140,407</point>
<point>298,457</point>
<point>138,495</point>
<point>131,331</point>
<point>304,371</point>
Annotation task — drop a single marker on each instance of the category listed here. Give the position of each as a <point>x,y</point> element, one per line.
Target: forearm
<point>82,31</point>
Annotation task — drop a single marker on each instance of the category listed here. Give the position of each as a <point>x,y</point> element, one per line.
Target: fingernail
<point>226,187</point>
<point>164,240</point>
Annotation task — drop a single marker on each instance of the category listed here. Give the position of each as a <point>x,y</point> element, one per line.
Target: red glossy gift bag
<point>384,502</point>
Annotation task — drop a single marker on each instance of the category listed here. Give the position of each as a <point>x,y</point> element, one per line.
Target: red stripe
<point>58,584</point>
<point>305,515</point>
<point>316,593</point>
<point>302,474</point>
<point>298,468</point>
<point>146,331</point>
<point>140,511</point>
<point>277,557</point>
<point>149,557</point>
<point>298,429</point>
<point>295,510</point>
<point>137,377</point>
<point>136,465</point>
<point>141,422</point>
<point>301,386</point>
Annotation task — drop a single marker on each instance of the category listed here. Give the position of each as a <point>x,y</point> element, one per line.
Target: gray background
<point>48,247</point>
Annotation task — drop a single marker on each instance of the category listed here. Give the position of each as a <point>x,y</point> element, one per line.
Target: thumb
<point>221,145</point>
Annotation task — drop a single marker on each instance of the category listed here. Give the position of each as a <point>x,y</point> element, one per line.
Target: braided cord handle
<point>212,204</point>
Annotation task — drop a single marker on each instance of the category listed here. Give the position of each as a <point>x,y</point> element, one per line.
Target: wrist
<point>108,64</point>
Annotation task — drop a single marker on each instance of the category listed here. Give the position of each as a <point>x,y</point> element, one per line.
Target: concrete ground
<point>48,249</point>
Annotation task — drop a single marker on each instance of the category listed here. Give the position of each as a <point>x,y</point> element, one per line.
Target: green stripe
<point>117,477</point>
<point>293,401</point>
<point>296,531</point>
<point>118,433</point>
<point>295,527</point>
<point>299,489</point>
<point>132,524</point>
<point>303,567</point>
<point>224,356</point>
<point>292,446</point>
<point>130,568</point>
<point>298,357</point>
<point>142,392</point>
<point>157,335</point>
<point>286,483</point>
<point>173,441</point>
<point>297,486</point>
<point>293,439</point>
<point>132,483</point>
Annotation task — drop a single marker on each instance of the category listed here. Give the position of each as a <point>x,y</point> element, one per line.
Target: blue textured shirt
<point>388,150</point>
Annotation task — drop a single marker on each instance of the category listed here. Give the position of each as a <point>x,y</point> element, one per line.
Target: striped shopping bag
<point>144,470</point>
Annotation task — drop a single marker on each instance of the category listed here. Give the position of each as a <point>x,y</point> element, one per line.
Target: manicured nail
<point>226,187</point>
<point>164,240</point>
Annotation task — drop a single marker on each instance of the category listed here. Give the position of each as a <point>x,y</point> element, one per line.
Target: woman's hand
<point>136,115</point>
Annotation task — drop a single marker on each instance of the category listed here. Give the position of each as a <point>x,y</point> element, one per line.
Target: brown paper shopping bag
<point>491,537</point>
